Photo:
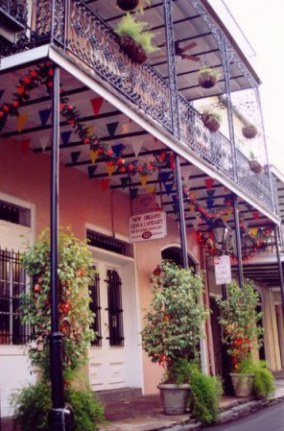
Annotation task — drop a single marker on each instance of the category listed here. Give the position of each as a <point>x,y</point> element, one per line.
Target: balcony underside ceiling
<point>138,145</point>
<point>263,273</point>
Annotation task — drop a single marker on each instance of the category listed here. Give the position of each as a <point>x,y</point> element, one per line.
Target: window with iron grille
<point>95,307</point>
<point>15,214</point>
<point>115,311</point>
<point>12,284</point>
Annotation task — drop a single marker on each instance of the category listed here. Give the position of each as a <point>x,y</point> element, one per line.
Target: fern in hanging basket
<point>211,120</point>
<point>128,5</point>
<point>207,77</point>
<point>134,39</point>
<point>249,131</point>
<point>254,165</point>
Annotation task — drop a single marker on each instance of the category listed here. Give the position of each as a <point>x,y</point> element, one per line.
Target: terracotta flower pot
<point>127,4</point>
<point>210,122</point>
<point>243,384</point>
<point>134,51</point>
<point>255,166</point>
<point>207,80</point>
<point>249,131</point>
<point>174,398</point>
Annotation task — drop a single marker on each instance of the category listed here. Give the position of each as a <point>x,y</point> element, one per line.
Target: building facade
<point>132,139</point>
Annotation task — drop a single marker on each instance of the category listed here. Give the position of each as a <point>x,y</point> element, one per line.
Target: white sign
<point>222,266</point>
<point>144,227</point>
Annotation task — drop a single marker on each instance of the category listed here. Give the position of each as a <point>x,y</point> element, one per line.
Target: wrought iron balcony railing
<point>74,28</point>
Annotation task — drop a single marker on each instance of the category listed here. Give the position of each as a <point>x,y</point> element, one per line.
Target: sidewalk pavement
<point>144,413</point>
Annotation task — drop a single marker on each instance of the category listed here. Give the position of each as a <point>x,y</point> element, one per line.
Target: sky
<point>262,21</point>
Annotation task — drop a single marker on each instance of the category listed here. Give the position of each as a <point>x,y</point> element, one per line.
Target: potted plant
<point>211,120</point>
<point>134,39</point>
<point>207,77</point>
<point>239,318</point>
<point>172,328</point>
<point>249,131</point>
<point>128,5</point>
<point>254,165</point>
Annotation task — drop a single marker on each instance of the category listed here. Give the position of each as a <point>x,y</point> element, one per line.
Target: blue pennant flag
<point>164,176</point>
<point>117,149</point>
<point>65,136</point>
<point>210,203</point>
<point>211,193</point>
<point>75,156</point>
<point>124,181</point>
<point>111,127</point>
<point>169,188</point>
<point>44,116</point>
<point>92,170</point>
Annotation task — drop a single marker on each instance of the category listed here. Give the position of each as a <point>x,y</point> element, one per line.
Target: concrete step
<point>123,394</point>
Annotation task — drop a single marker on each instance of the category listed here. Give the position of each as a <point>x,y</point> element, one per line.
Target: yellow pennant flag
<point>21,121</point>
<point>150,189</point>
<point>94,155</point>
<point>144,179</point>
<point>110,168</point>
<point>253,231</point>
<point>90,130</point>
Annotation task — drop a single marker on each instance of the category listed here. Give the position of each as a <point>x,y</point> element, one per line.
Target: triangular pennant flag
<point>65,136</point>
<point>44,116</point>
<point>97,104</point>
<point>253,231</point>
<point>21,121</point>
<point>124,127</point>
<point>75,156</point>
<point>124,181</point>
<point>211,193</point>
<point>25,145</point>
<point>110,167</point>
<point>144,179</point>
<point>43,142</point>
<point>256,215</point>
<point>104,184</point>
<point>1,93</point>
<point>91,171</point>
<point>94,155</point>
<point>209,183</point>
<point>133,193</point>
<point>169,188</point>
<point>117,149</point>
<point>137,148</point>
<point>164,176</point>
<point>210,203</point>
<point>150,189</point>
<point>111,127</point>
<point>90,130</point>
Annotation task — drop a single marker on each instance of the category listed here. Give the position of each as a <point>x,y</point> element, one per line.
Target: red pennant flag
<point>97,104</point>
<point>209,183</point>
<point>256,215</point>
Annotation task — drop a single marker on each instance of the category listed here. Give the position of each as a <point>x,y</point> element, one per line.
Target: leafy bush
<point>33,404</point>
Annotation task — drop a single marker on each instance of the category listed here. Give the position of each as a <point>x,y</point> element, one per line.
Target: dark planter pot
<point>243,384</point>
<point>207,80</point>
<point>127,4</point>
<point>255,166</point>
<point>134,51</point>
<point>174,398</point>
<point>210,122</point>
<point>249,131</point>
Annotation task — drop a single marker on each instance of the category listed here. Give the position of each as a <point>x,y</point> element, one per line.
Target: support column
<point>277,240</point>
<point>238,242</point>
<point>56,372</point>
<point>183,240</point>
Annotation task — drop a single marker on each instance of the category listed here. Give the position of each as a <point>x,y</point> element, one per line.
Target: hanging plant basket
<point>249,131</point>
<point>255,166</point>
<point>127,5</point>
<point>211,122</point>
<point>207,80</point>
<point>134,51</point>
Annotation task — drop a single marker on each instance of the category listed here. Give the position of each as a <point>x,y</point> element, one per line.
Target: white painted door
<point>14,363</point>
<point>107,359</point>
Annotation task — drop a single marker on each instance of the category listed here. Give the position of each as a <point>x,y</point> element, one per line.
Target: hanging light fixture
<point>222,233</point>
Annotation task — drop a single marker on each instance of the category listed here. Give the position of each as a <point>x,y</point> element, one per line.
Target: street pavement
<point>269,419</point>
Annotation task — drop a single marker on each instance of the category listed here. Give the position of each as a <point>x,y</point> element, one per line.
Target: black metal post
<point>238,242</point>
<point>183,240</point>
<point>277,239</point>
<point>57,415</point>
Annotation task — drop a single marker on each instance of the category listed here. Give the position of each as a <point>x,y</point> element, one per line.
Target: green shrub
<point>33,403</point>
<point>205,392</point>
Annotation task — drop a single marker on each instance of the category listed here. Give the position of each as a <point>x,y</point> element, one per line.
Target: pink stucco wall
<point>26,175</point>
